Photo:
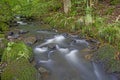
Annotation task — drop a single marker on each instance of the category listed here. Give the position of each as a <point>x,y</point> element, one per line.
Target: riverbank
<point>106,54</point>
<point>104,32</point>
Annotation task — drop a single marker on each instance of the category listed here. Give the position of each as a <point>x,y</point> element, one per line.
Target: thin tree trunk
<point>67,6</point>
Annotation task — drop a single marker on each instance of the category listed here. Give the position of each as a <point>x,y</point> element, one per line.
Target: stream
<point>62,55</point>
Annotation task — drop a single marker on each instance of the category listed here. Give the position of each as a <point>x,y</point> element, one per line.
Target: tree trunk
<point>67,6</point>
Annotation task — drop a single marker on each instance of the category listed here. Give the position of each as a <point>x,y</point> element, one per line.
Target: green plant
<point>59,20</point>
<point>43,7</point>
<point>2,35</point>
<point>16,51</point>
<point>77,7</point>
<point>114,2</point>
<point>19,70</point>
<point>88,13</point>
<point>109,11</point>
<point>99,22</point>
<point>110,32</point>
<point>17,56</point>
<point>3,27</point>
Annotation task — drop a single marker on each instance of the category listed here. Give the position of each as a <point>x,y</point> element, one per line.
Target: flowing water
<point>63,56</point>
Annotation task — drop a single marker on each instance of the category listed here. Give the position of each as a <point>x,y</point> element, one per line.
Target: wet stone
<point>30,40</point>
<point>10,33</point>
<point>15,36</point>
<point>43,70</point>
<point>44,73</point>
<point>23,32</point>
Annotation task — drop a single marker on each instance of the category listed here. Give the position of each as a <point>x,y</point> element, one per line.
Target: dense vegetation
<point>83,16</point>
<point>98,19</point>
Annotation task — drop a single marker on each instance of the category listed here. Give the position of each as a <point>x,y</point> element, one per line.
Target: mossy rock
<point>19,70</point>
<point>106,54</point>
<point>15,51</point>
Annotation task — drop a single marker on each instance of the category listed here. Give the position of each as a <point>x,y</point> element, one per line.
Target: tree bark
<point>67,6</point>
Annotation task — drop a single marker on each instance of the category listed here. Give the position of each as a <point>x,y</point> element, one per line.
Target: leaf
<point>8,48</point>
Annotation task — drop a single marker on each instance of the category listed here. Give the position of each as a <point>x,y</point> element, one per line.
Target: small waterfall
<point>65,60</point>
<point>100,73</point>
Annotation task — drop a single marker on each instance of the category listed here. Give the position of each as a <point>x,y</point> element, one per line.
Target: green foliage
<point>17,56</point>
<point>114,2</point>
<point>5,14</point>
<point>110,33</point>
<point>16,51</point>
<point>78,7</point>
<point>19,70</point>
<point>99,22</point>
<point>3,27</point>
<point>3,44</point>
<point>59,20</point>
<point>5,11</point>
<point>2,35</point>
<point>109,11</point>
<point>28,8</point>
<point>106,54</point>
<point>1,52</point>
<point>42,7</point>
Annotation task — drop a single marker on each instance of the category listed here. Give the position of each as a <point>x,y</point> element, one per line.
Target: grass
<point>98,29</point>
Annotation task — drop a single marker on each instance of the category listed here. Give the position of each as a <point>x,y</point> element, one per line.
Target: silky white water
<point>62,56</point>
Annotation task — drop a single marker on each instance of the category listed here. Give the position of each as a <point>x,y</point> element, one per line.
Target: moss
<point>16,51</point>
<point>2,35</point>
<point>3,26</point>
<point>106,54</point>
<point>19,70</point>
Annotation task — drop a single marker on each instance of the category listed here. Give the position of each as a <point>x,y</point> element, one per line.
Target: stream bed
<point>63,56</point>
